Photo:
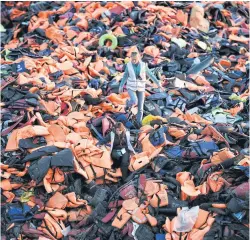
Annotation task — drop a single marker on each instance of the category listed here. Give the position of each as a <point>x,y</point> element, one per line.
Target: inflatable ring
<point>110,37</point>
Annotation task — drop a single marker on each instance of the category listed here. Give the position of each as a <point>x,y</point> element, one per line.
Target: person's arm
<point>124,79</point>
<point>152,77</point>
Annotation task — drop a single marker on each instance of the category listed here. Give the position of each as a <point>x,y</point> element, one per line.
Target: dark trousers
<point>121,161</point>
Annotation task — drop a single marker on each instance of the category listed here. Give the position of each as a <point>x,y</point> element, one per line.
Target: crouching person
<point>121,147</point>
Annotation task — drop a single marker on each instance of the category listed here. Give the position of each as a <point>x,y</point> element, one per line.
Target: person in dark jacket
<point>120,147</point>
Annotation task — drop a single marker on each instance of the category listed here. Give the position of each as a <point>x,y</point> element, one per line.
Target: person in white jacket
<point>135,77</point>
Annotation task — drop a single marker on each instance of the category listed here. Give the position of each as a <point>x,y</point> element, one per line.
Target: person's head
<point>119,128</point>
<point>135,57</point>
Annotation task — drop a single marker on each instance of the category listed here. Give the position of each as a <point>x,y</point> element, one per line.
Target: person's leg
<point>124,165</point>
<point>141,98</point>
<point>133,98</point>
<point>116,159</point>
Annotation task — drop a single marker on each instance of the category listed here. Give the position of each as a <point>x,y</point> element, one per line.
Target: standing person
<point>120,147</point>
<point>135,76</point>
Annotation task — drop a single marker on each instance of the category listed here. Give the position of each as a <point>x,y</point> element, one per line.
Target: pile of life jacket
<point>61,68</point>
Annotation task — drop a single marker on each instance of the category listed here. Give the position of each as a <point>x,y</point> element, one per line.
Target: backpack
<point>101,126</point>
<point>157,137</point>
<point>152,108</point>
<point>200,149</point>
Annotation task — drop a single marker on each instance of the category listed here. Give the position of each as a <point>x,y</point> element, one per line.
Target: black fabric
<point>63,159</point>
<point>160,162</point>
<point>97,201</point>
<point>120,141</point>
<point>152,108</point>
<point>227,163</point>
<point>90,100</point>
<point>121,161</point>
<point>200,66</point>
<point>39,169</point>
<point>143,232</point>
<point>32,142</point>
<point>40,152</point>
<point>235,205</point>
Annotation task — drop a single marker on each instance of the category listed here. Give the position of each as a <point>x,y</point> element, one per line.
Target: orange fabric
<point>5,174</point>
<point>182,17</point>
<point>245,162</point>
<point>12,143</point>
<point>8,186</point>
<point>197,19</point>
<point>54,224</point>
<point>182,177</point>
<point>204,188</point>
<point>138,161</point>
<point>177,133</point>
<point>51,107</point>
<point>97,172</point>
<point>201,227</point>
<point>151,188</point>
<point>152,51</point>
<point>152,220</point>
<point>241,39</point>
<point>196,118</point>
<point>57,201</point>
<point>15,13</point>
<point>138,216</point>
<point>216,182</point>
<point>225,63</point>
<point>31,131</point>
<point>201,219</point>
<point>86,151</point>
<point>9,195</point>
<point>189,188</point>
<point>52,178</point>
<point>57,133</point>
<point>76,215</point>
<point>58,213</point>
<point>54,34</point>
<point>79,170</point>
<point>222,155</point>
<point>74,202</point>
<point>235,110</point>
<point>117,99</point>
<point>211,131</point>
<point>73,137</point>
<point>18,173</point>
<point>219,205</point>
<point>163,196</point>
<point>147,146</point>
<point>201,80</point>
<point>121,218</point>
<point>130,204</point>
